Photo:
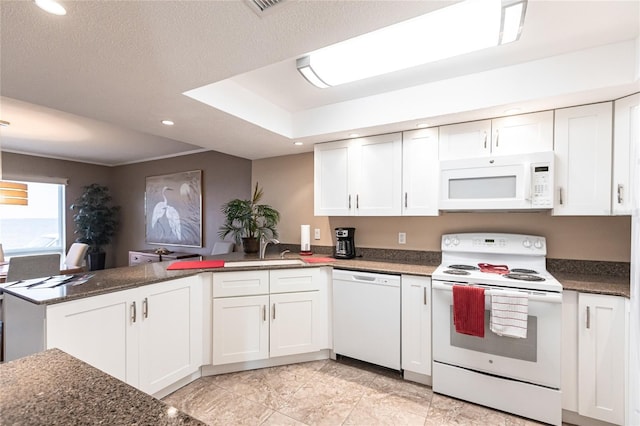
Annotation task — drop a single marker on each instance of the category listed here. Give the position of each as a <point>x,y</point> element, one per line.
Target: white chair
<point>75,255</point>
<point>27,267</point>
<point>222,247</point>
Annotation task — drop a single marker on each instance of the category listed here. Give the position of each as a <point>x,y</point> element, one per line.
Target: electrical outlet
<point>402,238</point>
<point>316,233</point>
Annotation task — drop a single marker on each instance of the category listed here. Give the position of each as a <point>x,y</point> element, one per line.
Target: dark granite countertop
<point>116,279</point>
<point>54,388</point>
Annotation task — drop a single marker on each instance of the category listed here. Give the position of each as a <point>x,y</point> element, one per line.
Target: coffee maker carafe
<point>345,247</point>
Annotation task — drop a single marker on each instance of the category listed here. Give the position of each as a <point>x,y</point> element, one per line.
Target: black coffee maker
<point>345,246</point>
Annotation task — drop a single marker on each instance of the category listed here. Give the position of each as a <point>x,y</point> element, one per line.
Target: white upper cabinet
<point>626,143</point>
<point>583,160</point>
<point>420,172</point>
<point>358,177</point>
<point>465,140</point>
<point>516,134</point>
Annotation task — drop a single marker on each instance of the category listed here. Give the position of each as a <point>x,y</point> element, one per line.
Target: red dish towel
<point>319,259</point>
<point>196,264</point>
<point>468,310</point>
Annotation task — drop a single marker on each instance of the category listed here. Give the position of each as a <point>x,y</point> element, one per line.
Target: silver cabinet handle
<point>497,138</point>
<point>588,317</point>
<point>133,312</point>
<point>357,201</point>
<point>424,296</point>
<point>405,200</point>
<point>274,311</point>
<point>145,308</point>
<point>349,201</point>
<point>560,193</point>
<point>485,140</point>
<point>619,193</point>
<point>264,312</point>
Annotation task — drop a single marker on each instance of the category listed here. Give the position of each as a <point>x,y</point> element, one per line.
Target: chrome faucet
<point>283,252</point>
<point>264,242</point>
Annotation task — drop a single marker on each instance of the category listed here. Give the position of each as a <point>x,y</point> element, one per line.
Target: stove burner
<point>464,267</point>
<point>456,272</point>
<point>524,271</point>
<point>524,277</point>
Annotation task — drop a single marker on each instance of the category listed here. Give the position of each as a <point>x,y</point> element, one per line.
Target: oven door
<point>535,359</point>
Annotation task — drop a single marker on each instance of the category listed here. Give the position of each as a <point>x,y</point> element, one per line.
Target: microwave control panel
<point>541,185</point>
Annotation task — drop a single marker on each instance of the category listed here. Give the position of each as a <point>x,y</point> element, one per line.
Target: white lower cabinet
<point>416,324</point>
<point>284,322</point>
<point>149,337</point>
<point>594,361</point>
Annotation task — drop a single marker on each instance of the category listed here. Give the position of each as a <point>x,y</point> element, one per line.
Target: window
<point>37,228</point>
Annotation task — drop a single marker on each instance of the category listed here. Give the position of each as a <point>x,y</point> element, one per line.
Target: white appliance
<point>366,317</point>
<point>517,375</point>
<point>510,182</point>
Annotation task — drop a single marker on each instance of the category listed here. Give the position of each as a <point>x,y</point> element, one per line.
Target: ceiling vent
<point>262,7</point>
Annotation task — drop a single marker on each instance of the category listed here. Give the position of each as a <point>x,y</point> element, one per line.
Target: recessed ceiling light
<point>4,123</point>
<point>167,122</point>
<point>51,6</point>
<point>354,135</point>
<point>298,143</point>
<point>422,125</point>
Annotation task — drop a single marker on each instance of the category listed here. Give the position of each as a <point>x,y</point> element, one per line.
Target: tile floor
<point>326,393</point>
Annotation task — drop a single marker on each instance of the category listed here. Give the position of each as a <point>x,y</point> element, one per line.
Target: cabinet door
<point>626,143</point>
<point>520,134</point>
<point>465,140</point>
<point>416,324</point>
<point>379,174</point>
<point>332,179</point>
<point>601,378</point>
<point>583,160</point>
<point>240,329</point>
<point>295,323</point>
<point>240,283</point>
<point>570,351</point>
<point>170,332</point>
<point>101,331</point>
<point>420,172</point>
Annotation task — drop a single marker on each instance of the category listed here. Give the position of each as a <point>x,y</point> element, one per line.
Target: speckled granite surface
<point>54,388</point>
<point>587,276</point>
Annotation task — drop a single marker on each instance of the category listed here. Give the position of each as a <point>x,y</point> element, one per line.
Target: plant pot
<point>250,245</point>
<point>96,261</point>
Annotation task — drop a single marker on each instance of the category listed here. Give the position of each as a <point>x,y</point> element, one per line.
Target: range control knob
<point>527,243</point>
<point>447,241</point>
<point>538,244</point>
<point>455,241</point>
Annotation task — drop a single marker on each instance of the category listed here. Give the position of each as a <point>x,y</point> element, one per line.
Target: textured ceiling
<point>93,85</point>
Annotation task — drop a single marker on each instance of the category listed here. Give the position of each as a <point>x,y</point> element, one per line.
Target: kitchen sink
<point>266,262</point>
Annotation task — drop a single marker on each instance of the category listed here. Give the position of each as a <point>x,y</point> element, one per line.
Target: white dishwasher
<point>366,317</point>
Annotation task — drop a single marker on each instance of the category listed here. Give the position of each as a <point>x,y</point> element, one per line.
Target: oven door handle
<point>534,295</point>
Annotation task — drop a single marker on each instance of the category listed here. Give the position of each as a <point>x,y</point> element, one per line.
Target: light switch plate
<point>316,233</point>
<point>402,238</point>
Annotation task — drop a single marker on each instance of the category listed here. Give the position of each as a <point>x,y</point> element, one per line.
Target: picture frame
<point>173,209</point>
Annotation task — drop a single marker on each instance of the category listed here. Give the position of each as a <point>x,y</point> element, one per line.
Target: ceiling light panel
<point>451,31</point>
<point>51,6</point>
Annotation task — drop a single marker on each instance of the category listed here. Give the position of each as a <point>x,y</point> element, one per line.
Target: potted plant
<point>96,222</point>
<point>248,221</point>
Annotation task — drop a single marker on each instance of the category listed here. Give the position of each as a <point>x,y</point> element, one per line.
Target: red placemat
<point>196,264</point>
<point>319,259</point>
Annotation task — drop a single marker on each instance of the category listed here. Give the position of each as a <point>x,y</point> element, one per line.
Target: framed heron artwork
<point>173,209</point>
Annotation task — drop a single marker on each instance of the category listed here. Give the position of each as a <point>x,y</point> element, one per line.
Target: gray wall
<point>223,177</point>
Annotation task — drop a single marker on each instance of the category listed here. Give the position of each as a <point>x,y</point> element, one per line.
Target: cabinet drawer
<point>293,280</point>
<point>241,283</point>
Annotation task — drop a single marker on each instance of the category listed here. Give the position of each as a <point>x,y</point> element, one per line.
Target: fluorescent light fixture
<point>167,122</point>
<point>451,31</point>
<point>51,6</point>
<point>298,143</point>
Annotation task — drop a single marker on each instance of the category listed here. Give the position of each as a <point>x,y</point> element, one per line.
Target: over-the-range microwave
<point>510,182</point>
